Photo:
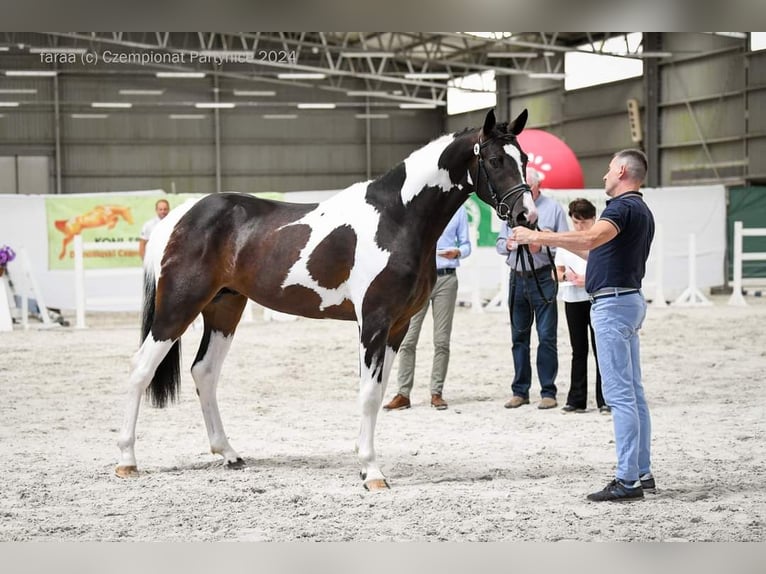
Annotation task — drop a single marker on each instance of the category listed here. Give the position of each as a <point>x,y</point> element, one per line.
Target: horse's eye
<point>494,162</point>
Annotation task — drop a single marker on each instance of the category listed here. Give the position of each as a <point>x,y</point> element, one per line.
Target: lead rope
<point>520,252</point>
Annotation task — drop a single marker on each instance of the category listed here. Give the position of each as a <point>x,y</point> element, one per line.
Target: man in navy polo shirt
<point>619,245</point>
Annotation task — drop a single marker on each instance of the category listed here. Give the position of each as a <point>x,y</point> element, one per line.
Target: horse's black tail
<point>167,378</point>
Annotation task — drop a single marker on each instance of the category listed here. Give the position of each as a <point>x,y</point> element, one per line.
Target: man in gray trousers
<point>453,245</point>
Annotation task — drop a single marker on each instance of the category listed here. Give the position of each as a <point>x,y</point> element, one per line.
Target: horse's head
<point>501,164</point>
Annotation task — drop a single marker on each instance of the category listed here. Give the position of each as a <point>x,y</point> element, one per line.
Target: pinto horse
<point>365,255</point>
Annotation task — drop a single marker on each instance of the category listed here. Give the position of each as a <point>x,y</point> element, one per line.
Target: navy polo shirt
<point>621,262</point>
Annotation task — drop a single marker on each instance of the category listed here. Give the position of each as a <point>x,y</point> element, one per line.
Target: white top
<point>568,291</point>
<point>148,227</point>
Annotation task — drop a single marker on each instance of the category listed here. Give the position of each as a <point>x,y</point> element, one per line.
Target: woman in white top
<point>570,268</point>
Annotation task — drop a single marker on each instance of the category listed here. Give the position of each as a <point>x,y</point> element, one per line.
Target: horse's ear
<point>518,124</point>
<point>489,123</point>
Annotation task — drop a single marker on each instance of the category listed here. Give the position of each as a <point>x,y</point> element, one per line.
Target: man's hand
<point>453,253</point>
<point>523,235</point>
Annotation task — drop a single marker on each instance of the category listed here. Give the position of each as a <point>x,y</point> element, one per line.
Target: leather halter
<point>504,212</point>
<point>502,209</point>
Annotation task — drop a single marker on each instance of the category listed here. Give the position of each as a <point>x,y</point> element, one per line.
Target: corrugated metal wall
<point>710,109</point>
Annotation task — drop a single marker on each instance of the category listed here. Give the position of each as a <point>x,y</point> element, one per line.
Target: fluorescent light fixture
<point>655,54</point>
<point>365,93</point>
<point>255,93</point>
<point>364,54</point>
<point>301,76</point>
<point>90,116</point>
<point>142,92</point>
<point>371,116</point>
<point>513,54</point>
<point>280,116</point>
<point>546,76</point>
<point>428,76</point>
<point>58,50</point>
<point>319,106</point>
<point>187,116</point>
<point>4,49</point>
<point>9,104</point>
<point>31,73</point>
<point>417,106</point>
<point>215,105</point>
<point>111,105</point>
<point>18,91</point>
<point>180,74</point>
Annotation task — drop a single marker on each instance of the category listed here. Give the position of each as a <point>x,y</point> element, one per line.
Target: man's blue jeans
<point>616,321</point>
<point>528,304</point>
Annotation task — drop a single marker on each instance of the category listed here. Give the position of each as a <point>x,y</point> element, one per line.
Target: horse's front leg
<point>376,356</point>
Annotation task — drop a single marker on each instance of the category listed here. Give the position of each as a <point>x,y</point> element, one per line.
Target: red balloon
<point>553,159</point>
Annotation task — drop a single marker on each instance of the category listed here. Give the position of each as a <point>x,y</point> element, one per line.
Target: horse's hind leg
<point>221,317</point>
<point>143,365</point>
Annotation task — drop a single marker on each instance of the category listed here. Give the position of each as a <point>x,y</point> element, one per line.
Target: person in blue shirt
<point>453,244</point>
<point>619,244</point>
<point>527,305</point>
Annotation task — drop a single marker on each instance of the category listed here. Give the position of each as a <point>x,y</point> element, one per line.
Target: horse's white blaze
<point>205,374</point>
<point>529,205</point>
<point>527,201</point>
<point>420,172</point>
<point>515,153</point>
<point>347,207</point>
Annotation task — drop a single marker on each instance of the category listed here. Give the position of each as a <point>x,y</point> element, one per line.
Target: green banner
<point>481,217</point>
<point>748,205</point>
<point>110,226</point>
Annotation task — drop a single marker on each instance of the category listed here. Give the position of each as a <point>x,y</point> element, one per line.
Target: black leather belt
<point>598,296</point>
<point>540,270</point>
<point>446,271</point>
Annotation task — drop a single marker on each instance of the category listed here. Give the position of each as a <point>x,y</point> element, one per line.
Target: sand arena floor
<point>476,472</point>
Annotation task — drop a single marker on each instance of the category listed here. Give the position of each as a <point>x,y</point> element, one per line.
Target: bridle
<point>504,212</point>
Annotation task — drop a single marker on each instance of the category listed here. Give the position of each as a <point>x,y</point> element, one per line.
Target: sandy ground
<point>476,472</point>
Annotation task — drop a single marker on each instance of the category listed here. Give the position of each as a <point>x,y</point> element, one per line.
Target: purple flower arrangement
<point>6,254</point>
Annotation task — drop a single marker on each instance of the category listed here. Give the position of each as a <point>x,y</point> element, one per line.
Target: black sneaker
<point>616,491</point>
<point>571,409</point>
<point>647,482</point>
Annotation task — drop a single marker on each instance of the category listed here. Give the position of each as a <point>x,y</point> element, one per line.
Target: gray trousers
<point>442,300</point>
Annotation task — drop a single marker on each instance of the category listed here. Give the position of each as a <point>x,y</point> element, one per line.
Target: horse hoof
<point>377,485</point>
<point>235,464</point>
<point>126,471</point>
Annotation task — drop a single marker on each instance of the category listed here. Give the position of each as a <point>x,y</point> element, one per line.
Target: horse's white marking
<point>161,235</point>
<point>420,169</point>
<point>143,364</point>
<point>205,374</point>
<point>370,398</point>
<point>527,201</point>
<point>348,207</point>
<point>515,153</point>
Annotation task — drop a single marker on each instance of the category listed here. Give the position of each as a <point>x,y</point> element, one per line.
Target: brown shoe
<point>516,402</point>
<point>547,403</point>
<point>438,402</point>
<point>398,403</point>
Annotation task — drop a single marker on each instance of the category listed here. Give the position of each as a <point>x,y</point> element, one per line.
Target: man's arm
<point>142,248</point>
<point>578,242</point>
